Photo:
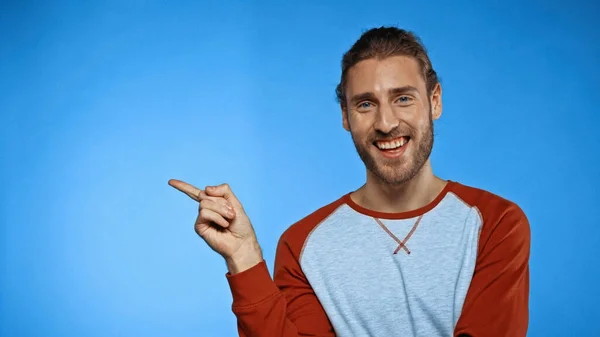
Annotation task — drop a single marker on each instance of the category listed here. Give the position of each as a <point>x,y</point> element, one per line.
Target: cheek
<point>361,138</point>
<point>360,125</point>
<point>420,122</point>
<point>423,124</point>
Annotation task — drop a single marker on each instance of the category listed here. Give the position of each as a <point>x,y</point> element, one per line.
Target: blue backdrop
<point>101,103</point>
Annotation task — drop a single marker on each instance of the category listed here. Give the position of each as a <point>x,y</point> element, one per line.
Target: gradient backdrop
<point>101,103</point>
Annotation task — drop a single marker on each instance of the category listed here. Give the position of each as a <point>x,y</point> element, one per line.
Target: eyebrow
<point>392,92</point>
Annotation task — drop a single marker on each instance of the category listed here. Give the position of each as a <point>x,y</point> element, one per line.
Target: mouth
<point>392,147</point>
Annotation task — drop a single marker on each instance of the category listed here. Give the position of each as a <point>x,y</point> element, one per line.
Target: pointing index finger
<point>186,188</point>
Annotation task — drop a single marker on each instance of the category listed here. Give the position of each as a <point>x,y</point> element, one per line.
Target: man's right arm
<point>284,307</point>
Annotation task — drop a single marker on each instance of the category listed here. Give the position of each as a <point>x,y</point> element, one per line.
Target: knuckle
<point>204,213</point>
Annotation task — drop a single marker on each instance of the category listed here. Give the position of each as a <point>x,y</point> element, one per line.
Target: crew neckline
<point>401,215</point>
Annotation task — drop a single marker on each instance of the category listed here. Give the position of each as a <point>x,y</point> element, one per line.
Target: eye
<point>404,100</point>
<point>364,106</point>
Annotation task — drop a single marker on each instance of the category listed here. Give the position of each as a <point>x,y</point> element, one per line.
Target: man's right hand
<point>224,225</point>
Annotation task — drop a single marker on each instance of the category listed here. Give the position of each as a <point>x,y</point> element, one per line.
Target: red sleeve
<point>285,306</point>
<point>497,303</point>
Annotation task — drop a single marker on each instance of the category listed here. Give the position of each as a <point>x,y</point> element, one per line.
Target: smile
<point>393,147</point>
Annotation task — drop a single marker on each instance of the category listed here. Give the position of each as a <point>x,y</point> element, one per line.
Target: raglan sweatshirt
<point>458,266</point>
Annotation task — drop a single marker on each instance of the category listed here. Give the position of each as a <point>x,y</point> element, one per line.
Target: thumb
<point>224,191</point>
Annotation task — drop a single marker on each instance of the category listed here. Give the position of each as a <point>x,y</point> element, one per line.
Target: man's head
<point>390,95</point>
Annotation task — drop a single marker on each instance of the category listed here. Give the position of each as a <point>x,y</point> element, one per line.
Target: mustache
<point>395,133</point>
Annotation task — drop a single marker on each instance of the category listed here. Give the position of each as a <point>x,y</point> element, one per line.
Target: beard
<point>398,170</point>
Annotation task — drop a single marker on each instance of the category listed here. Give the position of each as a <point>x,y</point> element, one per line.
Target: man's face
<point>390,116</point>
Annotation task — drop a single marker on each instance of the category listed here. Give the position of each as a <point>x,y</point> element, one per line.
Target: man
<point>407,254</point>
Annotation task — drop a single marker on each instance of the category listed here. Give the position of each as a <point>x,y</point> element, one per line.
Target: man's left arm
<point>497,303</point>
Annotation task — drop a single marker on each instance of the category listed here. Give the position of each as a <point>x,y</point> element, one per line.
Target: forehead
<point>373,75</point>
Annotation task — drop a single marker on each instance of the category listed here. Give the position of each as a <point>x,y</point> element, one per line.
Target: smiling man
<point>406,254</point>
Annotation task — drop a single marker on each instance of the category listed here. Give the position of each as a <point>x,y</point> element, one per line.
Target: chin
<point>393,175</point>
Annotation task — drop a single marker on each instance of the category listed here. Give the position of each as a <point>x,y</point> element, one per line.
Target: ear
<point>436,102</point>
<point>345,121</point>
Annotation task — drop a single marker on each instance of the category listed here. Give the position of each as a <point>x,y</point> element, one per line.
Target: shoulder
<point>491,206</point>
<point>502,220</point>
<point>295,236</point>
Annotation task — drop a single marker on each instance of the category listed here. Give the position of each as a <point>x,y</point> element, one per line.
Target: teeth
<point>392,145</point>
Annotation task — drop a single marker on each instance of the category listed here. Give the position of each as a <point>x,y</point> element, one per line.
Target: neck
<point>419,191</point>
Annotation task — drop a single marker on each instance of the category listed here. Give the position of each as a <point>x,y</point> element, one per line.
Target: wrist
<point>244,258</point>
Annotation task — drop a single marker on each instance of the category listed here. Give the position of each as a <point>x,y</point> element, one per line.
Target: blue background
<point>101,103</point>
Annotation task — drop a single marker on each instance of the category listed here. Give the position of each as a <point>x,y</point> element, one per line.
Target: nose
<point>386,120</point>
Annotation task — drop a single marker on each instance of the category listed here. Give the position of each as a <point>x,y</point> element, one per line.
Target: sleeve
<point>285,307</point>
<point>497,303</point>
